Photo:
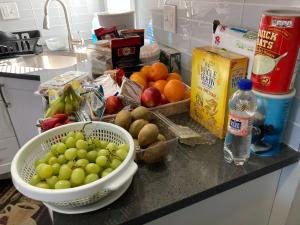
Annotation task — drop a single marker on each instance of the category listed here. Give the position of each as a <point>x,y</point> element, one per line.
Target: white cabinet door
<point>6,129</point>
<point>25,107</point>
<point>8,149</point>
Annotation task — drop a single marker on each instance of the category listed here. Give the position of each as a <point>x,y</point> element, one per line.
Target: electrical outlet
<point>9,10</point>
<point>170,18</point>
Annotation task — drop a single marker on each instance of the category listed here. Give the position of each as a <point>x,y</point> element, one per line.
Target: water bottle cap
<point>245,84</point>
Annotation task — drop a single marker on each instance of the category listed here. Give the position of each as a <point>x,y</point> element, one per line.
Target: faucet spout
<point>46,22</point>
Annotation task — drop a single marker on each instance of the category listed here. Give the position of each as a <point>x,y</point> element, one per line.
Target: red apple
<point>113,105</point>
<point>164,100</point>
<point>151,97</point>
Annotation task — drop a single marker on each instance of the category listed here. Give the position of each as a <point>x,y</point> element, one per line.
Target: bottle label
<point>238,125</point>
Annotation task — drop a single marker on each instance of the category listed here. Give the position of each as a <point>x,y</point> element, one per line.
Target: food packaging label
<point>215,74</point>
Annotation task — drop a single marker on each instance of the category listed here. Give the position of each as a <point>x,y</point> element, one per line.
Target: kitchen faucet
<point>46,22</point>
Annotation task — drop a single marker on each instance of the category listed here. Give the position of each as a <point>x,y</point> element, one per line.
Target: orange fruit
<point>174,91</point>
<point>174,76</point>
<point>140,80</point>
<point>146,70</point>
<point>140,74</point>
<point>159,71</point>
<point>160,85</point>
<point>151,83</point>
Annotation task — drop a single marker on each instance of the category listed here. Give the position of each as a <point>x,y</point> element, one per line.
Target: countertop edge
<point>211,192</point>
<point>21,76</point>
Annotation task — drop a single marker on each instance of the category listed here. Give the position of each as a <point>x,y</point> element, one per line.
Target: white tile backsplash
<point>31,17</point>
<point>194,28</point>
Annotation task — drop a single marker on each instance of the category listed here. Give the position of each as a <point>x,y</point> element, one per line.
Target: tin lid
<point>284,96</point>
<point>282,12</point>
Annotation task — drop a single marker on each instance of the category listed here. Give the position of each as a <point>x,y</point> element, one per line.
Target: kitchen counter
<point>189,175</point>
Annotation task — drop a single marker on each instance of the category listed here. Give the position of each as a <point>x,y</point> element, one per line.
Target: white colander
<point>22,167</point>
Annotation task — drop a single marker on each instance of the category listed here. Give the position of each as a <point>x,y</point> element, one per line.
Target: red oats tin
<point>277,54</point>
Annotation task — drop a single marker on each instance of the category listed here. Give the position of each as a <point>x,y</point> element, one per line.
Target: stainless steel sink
<point>47,60</point>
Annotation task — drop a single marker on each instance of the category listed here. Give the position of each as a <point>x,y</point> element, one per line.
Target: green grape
<point>61,148</point>
<point>97,142</point>
<point>104,144</point>
<point>124,146</point>
<point>64,172</point>
<point>77,177</point>
<point>44,171</point>
<point>54,149</point>
<point>71,153</point>
<point>121,153</point>
<point>35,179</point>
<point>52,160</point>
<point>115,163</point>
<point>61,159</point>
<point>55,168</point>
<point>42,184</point>
<point>101,161</point>
<point>91,178</point>
<point>64,139</point>
<point>79,136</point>
<point>71,142</point>
<point>71,164</point>
<point>51,181</point>
<point>47,156</point>
<point>103,152</point>
<point>38,162</point>
<point>82,163</point>
<point>82,144</point>
<point>106,172</point>
<point>71,134</point>
<point>92,168</point>
<point>111,147</point>
<point>81,153</point>
<point>92,155</point>
<point>62,184</point>
<point>91,145</point>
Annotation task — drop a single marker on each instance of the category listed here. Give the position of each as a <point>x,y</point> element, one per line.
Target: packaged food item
<point>277,54</point>
<point>131,92</point>
<point>126,52</point>
<point>60,81</point>
<point>171,58</point>
<point>270,122</point>
<point>107,33</point>
<point>99,55</point>
<point>109,85</point>
<point>235,39</point>
<point>116,74</point>
<point>133,32</point>
<point>215,73</point>
<point>150,53</point>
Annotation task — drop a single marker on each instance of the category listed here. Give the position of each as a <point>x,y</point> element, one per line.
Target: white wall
<point>32,13</point>
<point>194,28</point>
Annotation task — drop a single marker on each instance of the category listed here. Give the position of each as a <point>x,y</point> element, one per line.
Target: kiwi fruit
<point>155,152</point>
<point>136,127</point>
<point>141,112</point>
<point>161,137</point>
<point>148,134</point>
<point>123,119</point>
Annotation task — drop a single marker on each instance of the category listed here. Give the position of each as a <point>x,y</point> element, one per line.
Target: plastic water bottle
<point>242,107</point>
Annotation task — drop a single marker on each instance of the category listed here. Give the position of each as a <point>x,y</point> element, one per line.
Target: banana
<point>57,107</point>
<point>68,105</point>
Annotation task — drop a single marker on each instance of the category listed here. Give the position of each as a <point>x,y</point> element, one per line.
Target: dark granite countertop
<point>189,175</point>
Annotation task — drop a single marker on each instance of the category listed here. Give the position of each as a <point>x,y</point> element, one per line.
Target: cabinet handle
<point>7,104</point>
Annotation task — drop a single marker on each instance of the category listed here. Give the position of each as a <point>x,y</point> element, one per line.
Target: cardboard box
<point>215,73</point>
<point>171,58</point>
